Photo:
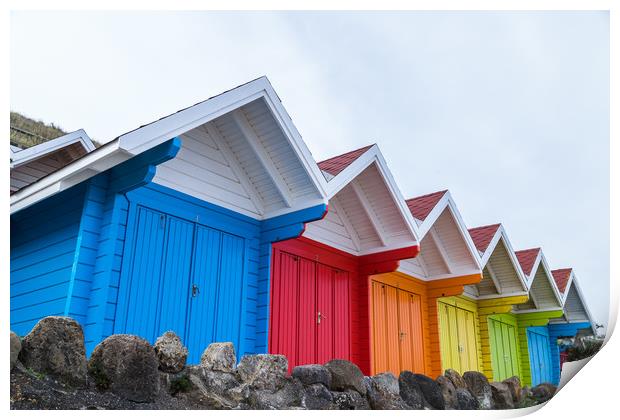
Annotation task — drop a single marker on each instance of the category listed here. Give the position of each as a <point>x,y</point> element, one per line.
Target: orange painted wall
<point>429,292</point>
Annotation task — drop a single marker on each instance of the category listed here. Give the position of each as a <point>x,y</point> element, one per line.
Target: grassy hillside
<point>26,132</point>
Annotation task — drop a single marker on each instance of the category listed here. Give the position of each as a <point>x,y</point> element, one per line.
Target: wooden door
<point>459,350</point>
<point>503,342</point>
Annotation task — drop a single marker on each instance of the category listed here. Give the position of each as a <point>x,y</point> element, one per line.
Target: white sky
<point>510,111</point>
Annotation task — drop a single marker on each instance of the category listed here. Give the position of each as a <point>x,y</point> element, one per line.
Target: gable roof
<point>527,258</point>
<point>337,164</point>
<point>532,260</point>
<point>421,206</point>
<point>155,133</point>
<point>444,239</point>
<point>364,199</point>
<point>79,138</point>
<point>483,235</point>
<point>561,277</point>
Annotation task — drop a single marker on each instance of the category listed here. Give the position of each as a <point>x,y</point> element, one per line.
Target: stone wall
<point>49,369</point>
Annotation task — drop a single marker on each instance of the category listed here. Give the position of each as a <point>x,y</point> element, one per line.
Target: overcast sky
<point>510,111</point>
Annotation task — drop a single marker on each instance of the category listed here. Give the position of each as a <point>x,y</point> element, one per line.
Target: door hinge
<point>195,290</point>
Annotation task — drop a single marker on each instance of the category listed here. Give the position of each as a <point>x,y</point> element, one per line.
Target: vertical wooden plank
<point>230,284</point>
<point>203,307</point>
<point>175,287</point>
<point>392,333</point>
<point>325,302</point>
<point>405,331</point>
<point>141,311</point>
<point>417,333</point>
<point>342,320</point>
<point>307,326</point>
<point>379,346</point>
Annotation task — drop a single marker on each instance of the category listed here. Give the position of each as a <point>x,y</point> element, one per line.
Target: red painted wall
<point>309,277</point>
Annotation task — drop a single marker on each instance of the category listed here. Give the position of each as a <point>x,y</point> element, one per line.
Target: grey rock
<point>126,365</point>
<point>383,392</point>
<point>514,385</point>
<point>170,352</point>
<point>478,385</point>
<point>317,397</point>
<point>346,375</point>
<point>410,391</point>
<point>448,391</point>
<point>502,397</point>
<point>263,371</point>
<point>312,374</point>
<point>16,347</point>
<point>431,391</point>
<point>55,347</point>
<point>204,395</point>
<point>456,378</point>
<point>465,401</point>
<point>290,395</point>
<point>543,392</point>
<point>219,356</point>
<point>350,400</point>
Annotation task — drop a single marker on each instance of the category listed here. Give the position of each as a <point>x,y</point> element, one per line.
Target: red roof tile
<point>338,163</point>
<point>561,277</point>
<point>526,258</point>
<point>483,235</point>
<point>421,206</point>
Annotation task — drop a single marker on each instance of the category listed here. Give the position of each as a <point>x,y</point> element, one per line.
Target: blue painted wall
<point>77,260</point>
<point>43,242</point>
<point>561,330</point>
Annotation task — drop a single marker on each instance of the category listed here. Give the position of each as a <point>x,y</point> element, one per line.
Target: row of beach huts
<point>217,223</point>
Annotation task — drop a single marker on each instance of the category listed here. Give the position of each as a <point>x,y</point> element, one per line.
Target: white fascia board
<point>374,155</point>
<point>27,155</point>
<point>513,259</point>
<point>575,283</point>
<point>532,275</point>
<point>447,202</point>
<point>182,121</point>
<point>484,258</point>
<point>438,277</point>
<point>568,286</point>
<point>103,158</point>
<point>155,133</point>
<point>529,311</point>
<point>551,280</point>
<point>499,296</point>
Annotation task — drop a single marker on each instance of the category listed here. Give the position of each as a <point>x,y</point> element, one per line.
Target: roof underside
<point>499,275</point>
<point>363,217</point>
<point>33,170</point>
<point>541,292</point>
<point>241,161</point>
<point>443,252</point>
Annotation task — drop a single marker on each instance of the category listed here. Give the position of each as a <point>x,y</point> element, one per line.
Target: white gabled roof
<point>200,116</point>
<point>446,249</point>
<point>367,213</point>
<point>544,292</point>
<point>498,259</point>
<point>20,156</point>
<point>573,302</point>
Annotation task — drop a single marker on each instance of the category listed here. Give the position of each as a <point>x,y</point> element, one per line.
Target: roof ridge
<point>336,164</point>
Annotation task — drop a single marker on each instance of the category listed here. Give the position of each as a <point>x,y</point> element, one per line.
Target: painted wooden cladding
<point>397,331</point>
<point>540,355</point>
<point>524,322</point>
<point>43,242</point>
<point>459,336</point>
<point>100,230</point>
<point>183,277</point>
<point>504,348</point>
<point>310,316</point>
<point>557,330</point>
